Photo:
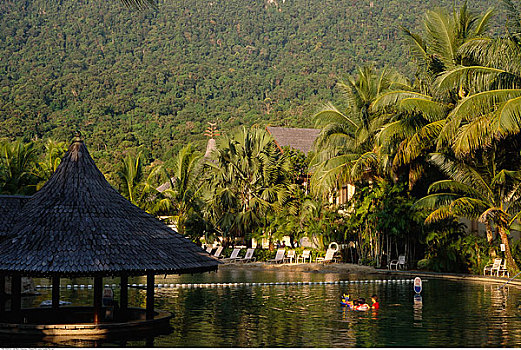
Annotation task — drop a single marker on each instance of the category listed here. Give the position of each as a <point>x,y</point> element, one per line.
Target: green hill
<point>127,78</point>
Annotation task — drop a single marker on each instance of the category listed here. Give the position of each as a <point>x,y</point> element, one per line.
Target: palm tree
<point>481,191</point>
<point>247,177</point>
<point>437,51</point>
<point>17,160</point>
<point>53,152</point>
<point>420,111</point>
<point>489,82</point>
<point>137,188</point>
<point>182,196</point>
<point>345,147</point>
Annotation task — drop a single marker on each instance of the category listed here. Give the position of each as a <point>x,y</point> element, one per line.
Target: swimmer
<point>374,300</point>
<point>362,305</point>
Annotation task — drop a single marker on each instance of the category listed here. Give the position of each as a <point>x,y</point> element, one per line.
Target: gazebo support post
<point>150,296</point>
<point>16,292</point>
<point>123,297</point>
<point>98,291</point>
<point>55,292</point>
<point>2,293</point>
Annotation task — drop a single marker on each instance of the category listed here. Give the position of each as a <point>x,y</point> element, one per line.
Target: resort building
<point>302,139</point>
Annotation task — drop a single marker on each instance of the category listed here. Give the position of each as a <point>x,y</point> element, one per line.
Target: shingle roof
<point>10,207</point>
<point>78,225</point>
<point>301,139</point>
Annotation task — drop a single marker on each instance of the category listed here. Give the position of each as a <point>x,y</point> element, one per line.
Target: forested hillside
<point>127,78</point>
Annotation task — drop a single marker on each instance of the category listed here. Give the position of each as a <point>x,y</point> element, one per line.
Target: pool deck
<point>359,269</point>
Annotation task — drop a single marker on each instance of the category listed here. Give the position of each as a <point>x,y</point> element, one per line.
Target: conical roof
<point>78,225</point>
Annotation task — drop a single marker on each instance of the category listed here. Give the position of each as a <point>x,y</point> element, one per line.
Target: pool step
<point>235,284</point>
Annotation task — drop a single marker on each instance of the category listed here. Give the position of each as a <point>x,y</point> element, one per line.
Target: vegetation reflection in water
<point>461,314</point>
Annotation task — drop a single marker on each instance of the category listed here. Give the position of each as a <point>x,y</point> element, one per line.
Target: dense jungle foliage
<point>153,77</point>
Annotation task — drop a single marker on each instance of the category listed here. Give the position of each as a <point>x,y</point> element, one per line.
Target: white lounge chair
<point>279,257</point>
<point>398,263</point>
<point>248,257</point>
<point>328,258</point>
<point>306,254</point>
<point>218,252</point>
<point>494,268</point>
<point>233,256</point>
<point>290,256</point>
<point>503,269</point>
<point>209,249</point>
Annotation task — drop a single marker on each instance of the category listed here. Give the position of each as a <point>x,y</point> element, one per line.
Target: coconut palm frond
<point>472,136</point>
<point>482,24</point>
<point>390,132</point>
<point>441,35</point>
<point>500,53</point>
<point>417,45</point>
<point>462,172</point>
<point>435,201</point>
<point>439,215</point>
<point>393,98</point>
<point>330,114</point>
<point>328,174</point>
<point>421,141</point>
<point>468,207</point>
<point>455,187</point>
<point>484,102</point>
<point>494,214</point>
<point>473,107</point>
<point>508,117</point>
<point>471,77</point>
<point>363,164</point>
<point>432,110</point>
<point>513,18</point>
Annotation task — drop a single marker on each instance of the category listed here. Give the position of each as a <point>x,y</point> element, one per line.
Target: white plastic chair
<point>233,256</point>
<point>503,269</point>
<point>328,258</point>
<point>248,257</point>
<point>306,254</point>
<point>218,252</point>
<point>494,268</point>
<point>397,263</point>
<point>279,257</point>
<point>290,256</point>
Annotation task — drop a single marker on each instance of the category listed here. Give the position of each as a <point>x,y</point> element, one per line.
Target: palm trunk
<point>511,264</point>
<point>490,237</point>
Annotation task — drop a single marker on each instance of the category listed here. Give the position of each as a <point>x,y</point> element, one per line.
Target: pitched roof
<point>10,207</point>
<point>78,225</point>
<point>301,139</point>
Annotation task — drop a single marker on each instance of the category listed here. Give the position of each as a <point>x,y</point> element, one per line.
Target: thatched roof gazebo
<point>77,225</point>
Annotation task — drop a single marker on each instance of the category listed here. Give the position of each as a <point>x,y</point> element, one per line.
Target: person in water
<point>362,305</point>
<point>374,300</point>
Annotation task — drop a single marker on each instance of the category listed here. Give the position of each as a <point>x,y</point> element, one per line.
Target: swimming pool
<point>449,314</point>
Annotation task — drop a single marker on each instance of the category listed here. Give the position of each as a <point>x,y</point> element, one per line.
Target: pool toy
<point>345,301</point>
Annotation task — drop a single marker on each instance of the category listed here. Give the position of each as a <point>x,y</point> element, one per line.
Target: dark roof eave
<point>110,273</point>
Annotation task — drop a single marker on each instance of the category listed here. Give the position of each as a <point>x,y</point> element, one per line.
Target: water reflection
<point>449,314</point>
<point>418,306</point>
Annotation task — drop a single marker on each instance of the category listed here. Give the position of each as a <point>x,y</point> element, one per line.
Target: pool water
<point>449,313</point>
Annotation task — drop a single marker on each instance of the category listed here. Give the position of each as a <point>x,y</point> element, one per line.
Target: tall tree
<point>247,177</point>
<point>345,148</point>
<point>17,161</point>
<point>182,196</point>
<point>135,185</point>
<point>482,191</point>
